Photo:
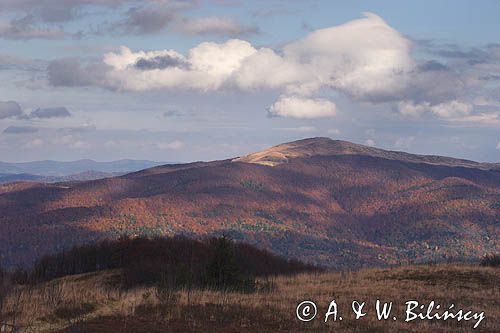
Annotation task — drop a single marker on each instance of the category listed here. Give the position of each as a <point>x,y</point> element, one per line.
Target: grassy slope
<point>112,310</point>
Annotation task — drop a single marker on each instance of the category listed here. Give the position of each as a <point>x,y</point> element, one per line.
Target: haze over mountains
<point>325,201</point>
<point>53,171</point>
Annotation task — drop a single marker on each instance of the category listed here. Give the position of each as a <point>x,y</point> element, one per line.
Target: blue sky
<point>199,80</point>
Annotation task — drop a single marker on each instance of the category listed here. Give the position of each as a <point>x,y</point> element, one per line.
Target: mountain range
<point>327,202</point>
<point>55,171</point>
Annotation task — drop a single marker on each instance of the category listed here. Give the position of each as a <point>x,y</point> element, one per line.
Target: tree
<point>222,271</point>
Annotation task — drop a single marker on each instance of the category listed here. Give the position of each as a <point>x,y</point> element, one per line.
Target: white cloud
<point>265,68</point>
<point>111,144</point>
<point>364,58</point>
<point>304,108</point>
<point>334,131</point>
<point>35,143</point>
<point>454,111</point>
<point>370,143</point>
<point>487,119</point>
<point>300,129</point>
<point>207,67</point>
<point>404,142</point>
<point>498,145</point>
<point>79,144</point>
<point>409,108</point>
<point>63,140</point>
<point>174,145</point>
<point>450,109</point>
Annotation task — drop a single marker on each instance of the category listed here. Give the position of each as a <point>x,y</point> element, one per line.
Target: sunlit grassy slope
<point>93,303</point>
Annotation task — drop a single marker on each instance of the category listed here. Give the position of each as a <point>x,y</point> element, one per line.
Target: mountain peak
<point>304,148</point>
<point>323,146</point>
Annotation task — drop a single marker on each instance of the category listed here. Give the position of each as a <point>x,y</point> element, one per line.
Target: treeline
<point>176,262</point>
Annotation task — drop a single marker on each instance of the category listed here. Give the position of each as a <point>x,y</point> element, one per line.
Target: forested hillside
<point>327,203</point>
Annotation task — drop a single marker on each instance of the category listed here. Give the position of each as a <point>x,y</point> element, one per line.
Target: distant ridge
<point>81,176</point>
<point>49,168</point>
<point>323,146</point>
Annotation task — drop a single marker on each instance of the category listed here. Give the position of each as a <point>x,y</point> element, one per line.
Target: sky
<point>171,80</point>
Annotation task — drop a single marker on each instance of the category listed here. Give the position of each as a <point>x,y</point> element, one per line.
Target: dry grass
<point>90,303</point>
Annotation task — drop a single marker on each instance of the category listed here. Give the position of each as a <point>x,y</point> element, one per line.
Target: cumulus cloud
<point>498,145</point>
<point>302,108</point>
<point>10,109</point>
<point>20,130</point>
<point>364,59</point>
<point>451,109</point>
<point>55,112</point>
<point>206,67</point>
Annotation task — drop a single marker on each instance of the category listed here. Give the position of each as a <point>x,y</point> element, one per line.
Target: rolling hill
<point>324,201</point>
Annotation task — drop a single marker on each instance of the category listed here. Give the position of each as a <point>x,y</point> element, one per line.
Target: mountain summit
<point>323,146</point>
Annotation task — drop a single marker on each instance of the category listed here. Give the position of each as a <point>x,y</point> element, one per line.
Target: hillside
<point>91,303</point>
<point>328,202</point>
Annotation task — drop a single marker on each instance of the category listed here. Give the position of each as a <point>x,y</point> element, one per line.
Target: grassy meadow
<point>91,302</point>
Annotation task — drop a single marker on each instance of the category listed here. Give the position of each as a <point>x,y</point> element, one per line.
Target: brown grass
<point>90,303</point>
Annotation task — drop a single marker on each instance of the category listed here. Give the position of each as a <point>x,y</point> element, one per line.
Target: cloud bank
<point>364,59</point>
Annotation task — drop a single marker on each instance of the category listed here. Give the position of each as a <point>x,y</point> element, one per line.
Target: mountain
<point>324,201</point>
<point>328,147</point>
<point>61,169</point>
<point>87,175</point>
